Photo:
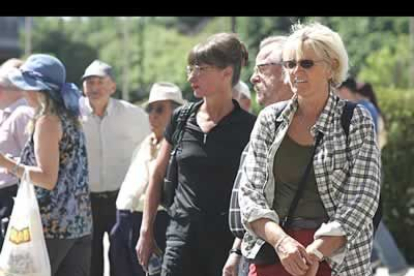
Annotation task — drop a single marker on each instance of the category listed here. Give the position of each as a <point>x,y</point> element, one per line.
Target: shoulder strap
<point>346,116</point>
<point>345,122</point>
<point>183,116</point>
<point>299,191</point>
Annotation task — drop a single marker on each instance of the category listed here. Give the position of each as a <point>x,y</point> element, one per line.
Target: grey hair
<point>279,39</point>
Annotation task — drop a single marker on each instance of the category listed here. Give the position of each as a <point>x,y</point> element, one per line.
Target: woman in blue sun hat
<point>55,157</point>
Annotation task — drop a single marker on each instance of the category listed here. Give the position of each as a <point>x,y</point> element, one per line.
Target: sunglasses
<point>304,63</point>
<point>157,109</point>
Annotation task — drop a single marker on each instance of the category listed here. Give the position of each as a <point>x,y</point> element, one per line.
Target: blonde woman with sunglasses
<point>330,231</point>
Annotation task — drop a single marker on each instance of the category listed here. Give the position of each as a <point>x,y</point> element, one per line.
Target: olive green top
<point>289,166</point>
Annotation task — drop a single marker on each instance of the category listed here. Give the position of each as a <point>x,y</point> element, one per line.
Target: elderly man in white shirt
<point>164,98</point>
<point>113,129</point>
<point>14,116</point>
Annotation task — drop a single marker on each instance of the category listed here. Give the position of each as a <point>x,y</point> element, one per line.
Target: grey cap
<point>98,69</point>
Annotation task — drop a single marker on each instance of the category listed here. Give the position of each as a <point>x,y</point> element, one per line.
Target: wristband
<point>317,253</point>
<point>236,251</point>
<point>13,171</point>
<point>280,241</point>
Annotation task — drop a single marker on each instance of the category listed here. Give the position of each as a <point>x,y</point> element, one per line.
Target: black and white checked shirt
<point>347,173</point>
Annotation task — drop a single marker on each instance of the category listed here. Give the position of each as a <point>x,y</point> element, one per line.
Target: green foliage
<point>157,46</point>
<point>388,66</point>
<point>398,158</point>
<point>364,35</point>
<point>50,38</point>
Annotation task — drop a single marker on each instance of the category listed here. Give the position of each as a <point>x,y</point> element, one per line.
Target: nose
<point>190,76</point>
<point>254,78</point>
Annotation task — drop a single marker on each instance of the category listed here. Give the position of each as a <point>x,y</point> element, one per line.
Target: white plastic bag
<point>24,250</point>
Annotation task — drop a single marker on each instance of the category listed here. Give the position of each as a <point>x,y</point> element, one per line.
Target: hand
<point>313,270</point>
<point>231,268</point>
<point>312,256</point>
<point>293,256</point>
<point>2,160</point>
<point>145,247</point>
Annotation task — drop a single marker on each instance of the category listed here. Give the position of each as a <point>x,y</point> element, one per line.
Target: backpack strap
<point>346,116</point>
<point>345,122</point>
<point>183,116</point>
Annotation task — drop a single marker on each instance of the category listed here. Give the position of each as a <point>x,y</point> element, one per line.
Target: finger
<point>300,261</point>
<point>297,270</point>
<point>227,272</point>
<point>314,269</point>
<point>293,269</point>
<point>306,256</point>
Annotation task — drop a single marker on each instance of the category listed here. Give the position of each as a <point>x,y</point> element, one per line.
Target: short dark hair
<point>221,50</point>
<point>349,83</point>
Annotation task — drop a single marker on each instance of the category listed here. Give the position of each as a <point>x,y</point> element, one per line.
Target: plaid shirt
<point>236,226</point>
<point>347,173</point>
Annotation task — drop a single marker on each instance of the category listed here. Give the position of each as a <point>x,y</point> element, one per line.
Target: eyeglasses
<point>304,63</point>
<point>157,109</point>
<point>260,67</point>
<point>197,69</point>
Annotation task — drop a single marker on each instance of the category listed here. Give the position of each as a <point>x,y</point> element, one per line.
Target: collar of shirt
<point>5,113</point>
<point>229,118</point>
<point>324,119</point>
<point>9,109</point>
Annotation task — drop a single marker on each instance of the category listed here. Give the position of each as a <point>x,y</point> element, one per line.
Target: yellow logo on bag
<point>19,236</point>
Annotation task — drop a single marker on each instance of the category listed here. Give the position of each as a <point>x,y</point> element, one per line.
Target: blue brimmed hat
<point>43,72</point>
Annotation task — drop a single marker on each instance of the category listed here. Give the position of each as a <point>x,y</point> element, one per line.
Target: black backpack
<point>235,223</point>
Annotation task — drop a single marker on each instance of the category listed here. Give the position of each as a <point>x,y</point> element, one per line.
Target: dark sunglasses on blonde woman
<point>304,63</point>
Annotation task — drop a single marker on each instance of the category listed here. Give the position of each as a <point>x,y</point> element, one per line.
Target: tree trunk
<point>411,76</point>
<point>233,24</point>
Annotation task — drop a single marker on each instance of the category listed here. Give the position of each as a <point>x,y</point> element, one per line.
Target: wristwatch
<point>236,251</point>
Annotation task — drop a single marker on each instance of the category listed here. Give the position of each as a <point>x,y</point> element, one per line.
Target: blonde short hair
<point>327,44</point>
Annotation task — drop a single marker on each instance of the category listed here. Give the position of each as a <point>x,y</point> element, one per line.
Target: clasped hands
<point>295,258</point>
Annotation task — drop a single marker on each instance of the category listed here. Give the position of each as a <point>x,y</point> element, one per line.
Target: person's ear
<point>228,72</point>
<point>113,86</point>
<point>334,66</point>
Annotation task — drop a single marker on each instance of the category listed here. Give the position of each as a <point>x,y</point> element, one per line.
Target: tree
<point>75,55</point>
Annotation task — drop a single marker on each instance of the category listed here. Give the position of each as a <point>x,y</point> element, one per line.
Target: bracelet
<point>236,251</point>
<point>280,241</point>
<point>13,171</point>
<point>317,253</point>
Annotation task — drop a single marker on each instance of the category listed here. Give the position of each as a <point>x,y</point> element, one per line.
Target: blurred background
<point>144,50</point>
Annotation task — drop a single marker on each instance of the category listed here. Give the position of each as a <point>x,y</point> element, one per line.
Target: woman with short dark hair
<point>215,134</point>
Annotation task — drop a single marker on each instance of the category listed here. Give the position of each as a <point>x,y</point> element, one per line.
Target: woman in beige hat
<point>163,99</point>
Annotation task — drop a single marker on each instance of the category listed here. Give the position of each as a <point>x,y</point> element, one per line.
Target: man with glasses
<point>268,79</point>
<point>113,128</point>
<point>270,86</point>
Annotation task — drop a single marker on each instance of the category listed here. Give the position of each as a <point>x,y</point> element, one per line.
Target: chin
<point>198,94</point>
